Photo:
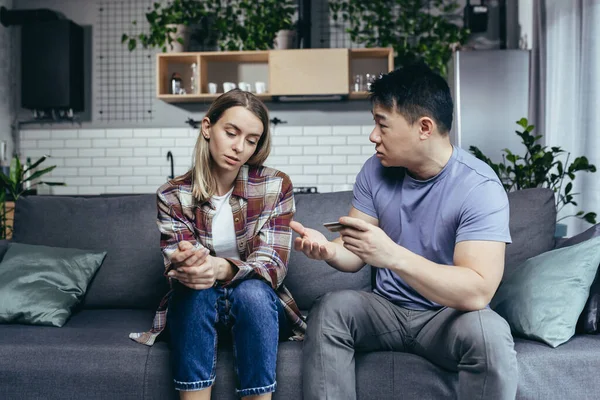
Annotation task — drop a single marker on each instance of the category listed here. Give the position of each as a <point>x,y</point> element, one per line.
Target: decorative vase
<point>284,39</point>
<point>183,32</point>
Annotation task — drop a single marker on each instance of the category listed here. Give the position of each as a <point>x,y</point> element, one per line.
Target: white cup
<point>227,86</point>
<point>245,86</point>
<point>212,87</point>
<point>260,87</point>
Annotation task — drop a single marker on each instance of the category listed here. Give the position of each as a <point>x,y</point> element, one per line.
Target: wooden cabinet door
<point>309,72</point>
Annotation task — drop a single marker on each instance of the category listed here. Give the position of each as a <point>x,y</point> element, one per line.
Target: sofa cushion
<point>41,285</point>
<point>90,357</point>
<point>544,297</point>
<point>532,225</point>
<point>569,371</point>
<point>589,320</point>
<point>132,273</point>
<point>308,279</point>
<point>159,384</point>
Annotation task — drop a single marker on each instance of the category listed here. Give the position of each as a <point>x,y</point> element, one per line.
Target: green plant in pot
<point>170,24</point>
<point>254,24</point>
<point>19,181</point>
<point>541,166</point>
<point>417,30</point>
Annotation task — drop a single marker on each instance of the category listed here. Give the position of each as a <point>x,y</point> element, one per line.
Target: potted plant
<point>19,181</point>
<point>256,25</point>
<point>541,167</point>
<point>170,25</point>
<point>417,30</point>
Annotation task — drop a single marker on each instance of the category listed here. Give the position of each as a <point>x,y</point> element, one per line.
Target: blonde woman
<point>226,240</point>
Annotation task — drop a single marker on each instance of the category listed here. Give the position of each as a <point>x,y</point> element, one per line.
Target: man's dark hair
<point>415,91</point>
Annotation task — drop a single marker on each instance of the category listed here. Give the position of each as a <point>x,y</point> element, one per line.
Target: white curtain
<point>568,51</point>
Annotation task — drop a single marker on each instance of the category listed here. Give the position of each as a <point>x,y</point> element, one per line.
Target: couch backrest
<point>132,273</point>
<point>125,226</point>
<point>308,279</point>
<point>532,225</point>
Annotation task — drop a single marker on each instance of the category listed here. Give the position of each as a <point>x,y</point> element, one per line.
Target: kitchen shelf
<point>358,95</point>
<point>289,73</point>
<point>197,98</point>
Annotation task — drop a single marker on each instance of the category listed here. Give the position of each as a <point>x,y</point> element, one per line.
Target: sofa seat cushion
<point>90,357</point>
<point>569,371</point>
<point>380,375</point>
<point>289,380</point>
<point>566,372</point>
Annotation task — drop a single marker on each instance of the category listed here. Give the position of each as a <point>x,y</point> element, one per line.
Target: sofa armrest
<point>583,236</point>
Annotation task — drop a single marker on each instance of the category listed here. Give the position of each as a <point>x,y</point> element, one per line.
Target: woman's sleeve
<point>174,227</point>
<point>272,244</point>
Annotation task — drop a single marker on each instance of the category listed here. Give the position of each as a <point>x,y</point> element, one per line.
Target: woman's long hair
<point>204,184</point>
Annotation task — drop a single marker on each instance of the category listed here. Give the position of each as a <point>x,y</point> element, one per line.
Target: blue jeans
<point>253,314</point>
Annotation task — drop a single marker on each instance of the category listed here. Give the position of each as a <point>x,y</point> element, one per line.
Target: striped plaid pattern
<point>262,202</point>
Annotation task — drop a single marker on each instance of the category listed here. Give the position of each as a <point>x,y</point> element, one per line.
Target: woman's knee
<point>253,296</point>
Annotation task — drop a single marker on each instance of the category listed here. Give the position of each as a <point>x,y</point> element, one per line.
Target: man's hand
<point>312,243</point>
<point>195,269</point>
<point>369,242</point>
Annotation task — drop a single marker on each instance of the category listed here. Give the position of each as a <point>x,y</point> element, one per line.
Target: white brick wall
<point>97,161</point>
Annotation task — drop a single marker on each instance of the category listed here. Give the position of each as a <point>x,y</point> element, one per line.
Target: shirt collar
<point>240,186</point>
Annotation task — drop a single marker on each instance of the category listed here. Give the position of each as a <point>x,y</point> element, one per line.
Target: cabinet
<point>296,72</point>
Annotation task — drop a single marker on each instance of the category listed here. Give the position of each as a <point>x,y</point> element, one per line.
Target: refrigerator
<point>490,89</point>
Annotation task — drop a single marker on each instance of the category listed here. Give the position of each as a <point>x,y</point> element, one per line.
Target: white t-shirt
<point>223,230</point>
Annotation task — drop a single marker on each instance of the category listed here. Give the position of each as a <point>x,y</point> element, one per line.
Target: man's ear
<point>205,128</point>
<point>426,127</point>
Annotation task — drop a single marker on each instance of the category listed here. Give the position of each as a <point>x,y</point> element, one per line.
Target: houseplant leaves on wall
<point>233,24</point>
<point>253,24</point>
<point>416,29</point>
<point>540,167</point>
<point>164,20</point>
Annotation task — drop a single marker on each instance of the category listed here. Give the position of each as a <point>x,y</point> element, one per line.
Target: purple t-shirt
<point>465,201</point>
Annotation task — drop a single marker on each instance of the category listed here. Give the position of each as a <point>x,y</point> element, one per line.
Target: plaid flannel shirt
<point>263,205</point>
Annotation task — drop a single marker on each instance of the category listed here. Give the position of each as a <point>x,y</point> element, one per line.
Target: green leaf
<point>15,170</point>
<point>590,217</point>
<point>38,162</point>
<point>523,122</point>
<point>6,182</point>
<point>39,173</point>
<point>54,183</point>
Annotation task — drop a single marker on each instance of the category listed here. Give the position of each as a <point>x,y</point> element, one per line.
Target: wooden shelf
<point>294,72</point>
<point>358,95</point>
<point>198,98</point>
<point>237,56</point>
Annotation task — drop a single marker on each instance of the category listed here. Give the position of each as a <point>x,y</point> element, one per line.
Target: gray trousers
<point>478,345</point>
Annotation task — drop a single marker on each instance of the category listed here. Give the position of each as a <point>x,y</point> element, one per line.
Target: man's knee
<point>486,336</point>
<point>334,309</point>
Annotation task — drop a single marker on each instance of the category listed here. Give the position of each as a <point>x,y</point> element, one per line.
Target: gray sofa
<point>91,357</point>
